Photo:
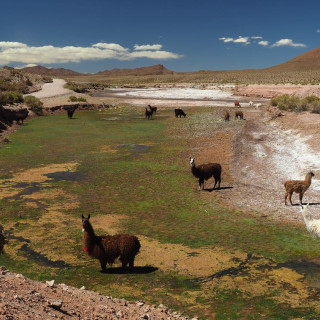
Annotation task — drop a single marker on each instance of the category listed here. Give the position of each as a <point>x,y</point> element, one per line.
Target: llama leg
<point>131,263</point>
<point>103,266</point>
<point>219,182</point>
<point>201,184</point>
<point>285,198</point>
<point>215,182</point>
<point>300,197</point>
<point>290,195</point>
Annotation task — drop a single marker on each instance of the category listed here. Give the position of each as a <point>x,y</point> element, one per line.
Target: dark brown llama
<point>70,110</point>
<point>3,239</point>
<point>108,248</point>
<point>205,172</point>
<point>179,112</point>
<point>153,109</point>
<point>297,186</point>
<point>148,114</point>
<point>237,104</point>
<point>238,114</point>
<point>226,116</point>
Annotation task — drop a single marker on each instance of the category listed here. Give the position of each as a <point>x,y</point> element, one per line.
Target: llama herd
<point>125,246</point>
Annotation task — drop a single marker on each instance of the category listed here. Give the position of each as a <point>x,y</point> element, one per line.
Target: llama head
<point>192,162</point>
<point>305,209</point>
<point>85,221</point>
<point>311,173</point>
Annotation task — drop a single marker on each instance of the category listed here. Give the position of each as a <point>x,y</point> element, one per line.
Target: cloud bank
<point>16,52</point>
<point>259,40</point>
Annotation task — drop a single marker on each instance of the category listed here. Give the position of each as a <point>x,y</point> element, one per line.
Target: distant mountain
<point>307,61</point>
<point>157,69</point>
<point>59,72</point>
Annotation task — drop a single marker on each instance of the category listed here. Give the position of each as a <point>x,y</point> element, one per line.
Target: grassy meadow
<point>132,175</point>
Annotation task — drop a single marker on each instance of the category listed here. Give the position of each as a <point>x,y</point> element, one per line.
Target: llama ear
<point>82,217</point>
<point>88,216</point>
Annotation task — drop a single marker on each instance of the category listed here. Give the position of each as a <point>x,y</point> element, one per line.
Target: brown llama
<point>179,112</point>
<point>226,116</point>
<point>148,114</point>
<point>153,109</point>
<point>297,186</point>
<point>3,239</point>
<point>237,104</point>
<point>205,172</point>
<point>70,109</point>
<point>108,248</point>
<point>238,114</point>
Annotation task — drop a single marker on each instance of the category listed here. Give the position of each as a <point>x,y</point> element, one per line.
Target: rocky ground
<point>22,298</point>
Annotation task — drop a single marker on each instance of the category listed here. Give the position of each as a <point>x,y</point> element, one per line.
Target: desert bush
<point>73,99</point>
<point>292,103</point>
<point>35,104</point>
<point>14,97</point>
<point>82,99</point>
<point>29,82</point>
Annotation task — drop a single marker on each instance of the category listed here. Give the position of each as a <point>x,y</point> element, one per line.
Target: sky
<point>183,35</point>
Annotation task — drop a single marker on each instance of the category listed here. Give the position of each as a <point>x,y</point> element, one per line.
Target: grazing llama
<point>250,103</point>
<point>148,114</point>
<point>70,110</point>
<point>205,172</point>
<point>238,114</point>
<point>313,225</point>
<point>153,109</point>
<point>179,112</point>
<point>107,248</point>
<point>226,116</point>
<point>297,186</point>
<point>237,104</point>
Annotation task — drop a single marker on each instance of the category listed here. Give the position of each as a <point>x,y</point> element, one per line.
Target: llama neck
<point>308,179</point>
<point>306,215</point>
<point>195,170</point>
<point>88,237</point>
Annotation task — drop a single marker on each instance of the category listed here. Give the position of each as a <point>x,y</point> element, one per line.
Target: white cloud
<point>287,42</point>
<point>22,53</point>
<point>244,40</point>
<point>256,37</point>
<point>26,66</point>
<point>263,43</point>
<point>318,30</point>
<point>148,47</point>
<point>224,39</point>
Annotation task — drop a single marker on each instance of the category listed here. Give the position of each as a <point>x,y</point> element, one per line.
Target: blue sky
<point>183,35</point>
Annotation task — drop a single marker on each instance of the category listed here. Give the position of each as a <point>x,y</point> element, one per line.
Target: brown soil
<point>22,298</point>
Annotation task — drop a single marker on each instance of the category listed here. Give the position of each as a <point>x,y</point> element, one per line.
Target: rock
<point>50,283</point>
<point>56,304</point>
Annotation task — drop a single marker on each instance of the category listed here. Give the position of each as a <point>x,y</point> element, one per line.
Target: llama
<point>250,103</point>
<point>153,109</point>
<point>179,112</point>
<point>297,186</point>
<point>70,110</point>
<point>258,106</point>
<point>238,114</point>
<point>226,116</point>
<point>237,104</point>
<point>205,172</point>
<point>107,248</point>
<point>313,225</point>
<point>21,115</point>
<point>148,114</point>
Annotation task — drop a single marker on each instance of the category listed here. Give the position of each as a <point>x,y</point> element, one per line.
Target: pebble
<point>50,283</point>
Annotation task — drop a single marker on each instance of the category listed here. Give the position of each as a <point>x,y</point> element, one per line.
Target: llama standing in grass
<point>297,186</point>
<point>206,171</point>
<point>238,114</point>
<point>237,104</point>
<point>226,116</point>
<point>313,225</point>
<point>179,112</point>
<point>148,114</point>
<point>153,109</point>
<point>107,248</point>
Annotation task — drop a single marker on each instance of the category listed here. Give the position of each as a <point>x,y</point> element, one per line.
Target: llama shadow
<point>135,270</point>
<point>305,203</point>
<point>215,189</point>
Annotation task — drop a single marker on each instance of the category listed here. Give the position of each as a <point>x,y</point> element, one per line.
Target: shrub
<point>29,83</point>
<point>14,97</point>
<point>73,98</point>
<point>82,99</point>
<point>35,104</point>
<point>292,103</point>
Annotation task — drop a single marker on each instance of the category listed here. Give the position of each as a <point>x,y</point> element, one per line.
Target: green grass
<point>157,193</point>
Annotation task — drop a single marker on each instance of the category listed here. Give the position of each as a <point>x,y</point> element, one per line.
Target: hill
<point>308,61</point>
<point>59,72</point>
<point>157,69</point>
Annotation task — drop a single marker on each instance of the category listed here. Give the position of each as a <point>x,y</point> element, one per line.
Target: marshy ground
<point>219,253</point>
